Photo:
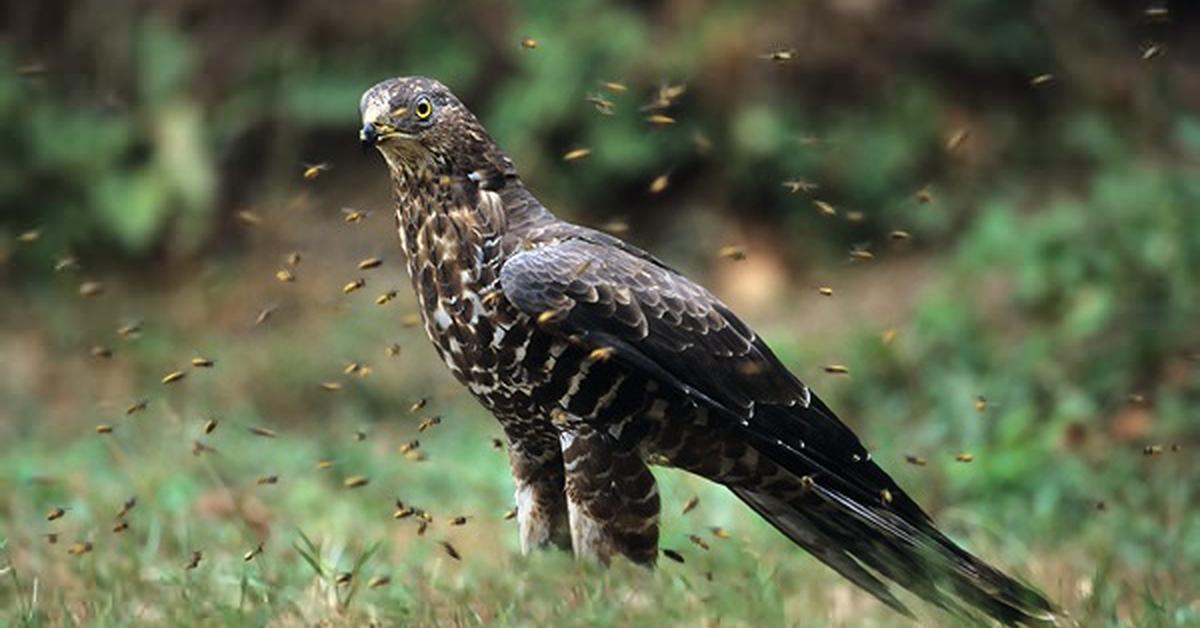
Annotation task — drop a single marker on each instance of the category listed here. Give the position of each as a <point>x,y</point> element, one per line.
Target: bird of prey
<point>599,359</point>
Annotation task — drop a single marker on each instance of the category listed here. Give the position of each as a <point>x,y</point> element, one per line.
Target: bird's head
<point>417,122</point>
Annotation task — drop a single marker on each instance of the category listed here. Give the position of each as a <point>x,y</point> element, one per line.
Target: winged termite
<point>450,551</point>
<point>734,252</point>
<point>252,554</point>
<point>576,154</point>
<point>173,376</point>
<point>131,329</point>
<point>779,55</point>
<point>91,288</point>
<point>659,184</point>
<point>312,171</point>
<point>615,227</point>
<point>799,185</point>
<point>248,218</point>
<point>957,138</point>
<point>356,481</point>
<point>691,504</point>
<point>32,235</point>
<point>126,506</point>
<point>202,362</point>
<point>264,314</point>
<point>200,448</point>
<point>262,431</point>
<point>369,263</point>
<point>861,253</point>
<point>352,215</point>
<point>379,581</point>
<point>673,555</point>
<point>602,104</point>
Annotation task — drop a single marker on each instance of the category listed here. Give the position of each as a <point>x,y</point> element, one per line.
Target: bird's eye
<point>423,108</point>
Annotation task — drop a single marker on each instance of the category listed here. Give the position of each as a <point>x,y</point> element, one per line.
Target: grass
<point>1132,563</point>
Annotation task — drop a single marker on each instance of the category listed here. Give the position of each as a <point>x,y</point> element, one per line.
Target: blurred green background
<point>1039,308</point>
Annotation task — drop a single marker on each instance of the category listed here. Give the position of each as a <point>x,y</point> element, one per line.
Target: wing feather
<point>608,294</point>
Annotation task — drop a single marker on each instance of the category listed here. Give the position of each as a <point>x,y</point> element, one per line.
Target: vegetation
<point>1036,311</point>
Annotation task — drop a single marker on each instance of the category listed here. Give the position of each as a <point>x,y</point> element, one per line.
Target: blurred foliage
<point>142,128</point>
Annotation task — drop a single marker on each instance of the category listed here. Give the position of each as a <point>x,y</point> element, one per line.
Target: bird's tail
<point>869,543</point>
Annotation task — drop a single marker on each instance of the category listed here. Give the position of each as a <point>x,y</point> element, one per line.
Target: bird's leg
<point>537,471</point>
<point>612,499</point>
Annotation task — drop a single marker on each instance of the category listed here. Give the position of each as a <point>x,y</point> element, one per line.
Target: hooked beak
<point>369,136</point>
<point>375,132</point>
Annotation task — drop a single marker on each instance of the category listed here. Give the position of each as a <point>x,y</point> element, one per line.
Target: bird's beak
<point>368,135</point>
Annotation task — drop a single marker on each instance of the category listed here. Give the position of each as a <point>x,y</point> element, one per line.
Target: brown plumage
<point>597,357</point>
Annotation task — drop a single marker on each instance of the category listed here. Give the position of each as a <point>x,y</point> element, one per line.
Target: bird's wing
<point>598,291</point>
<point>605,293</point>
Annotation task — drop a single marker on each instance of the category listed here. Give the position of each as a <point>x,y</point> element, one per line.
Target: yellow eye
<point>423,109</point>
